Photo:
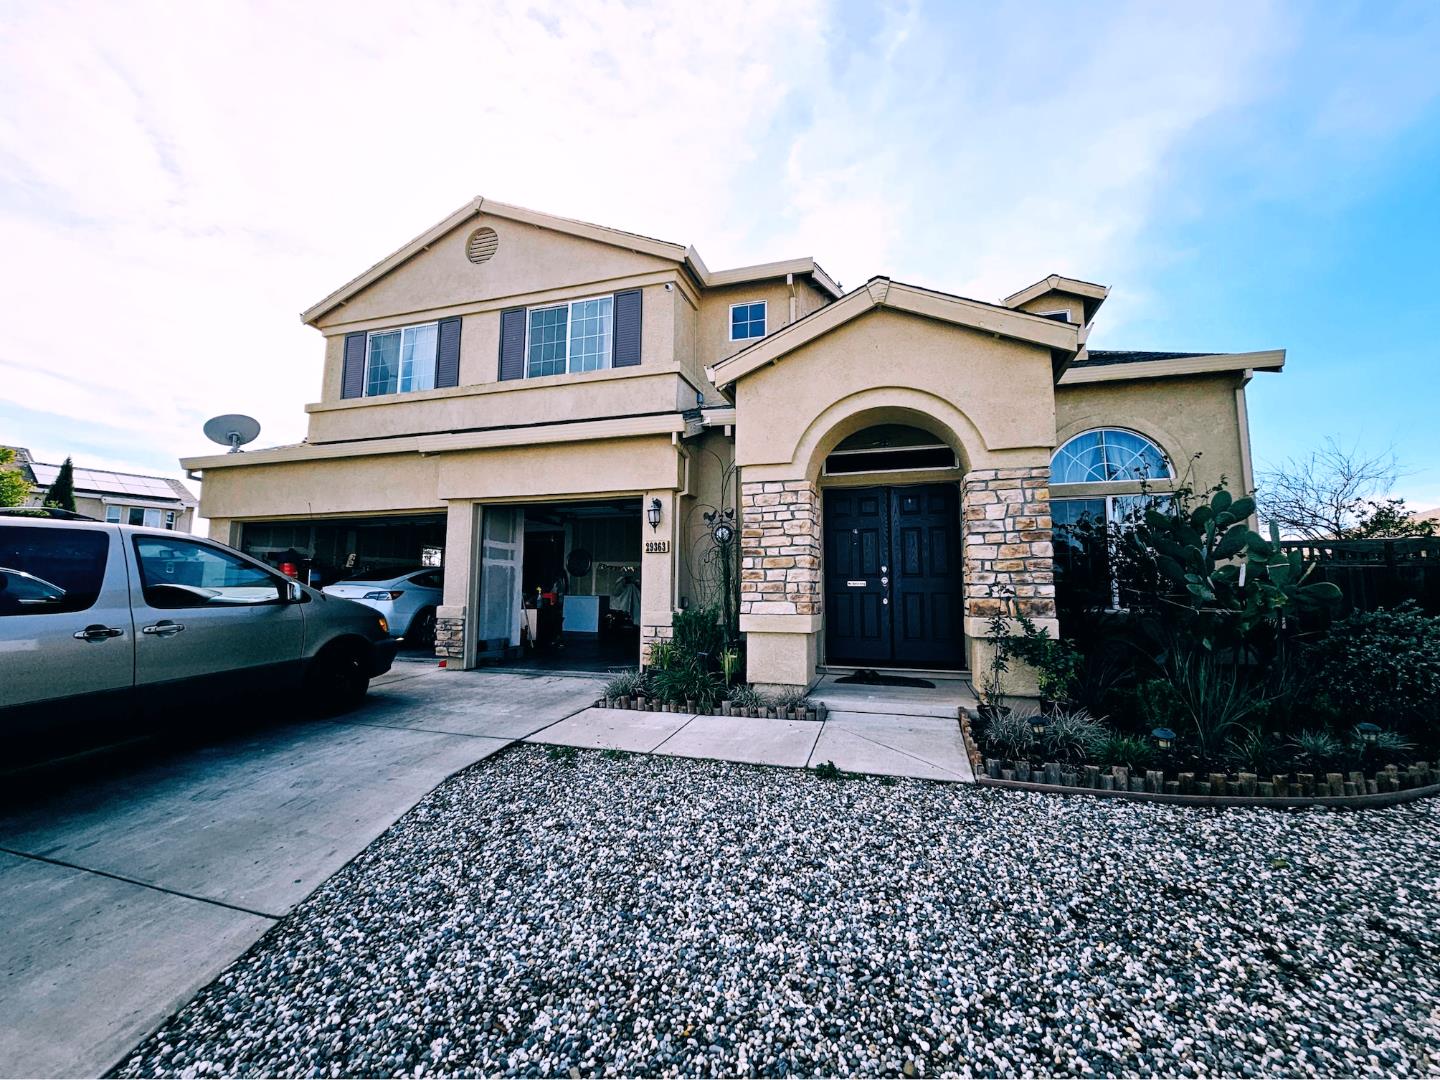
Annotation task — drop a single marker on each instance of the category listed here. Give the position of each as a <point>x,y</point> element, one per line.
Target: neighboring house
<point>555,404</point>
<point>127,498</point>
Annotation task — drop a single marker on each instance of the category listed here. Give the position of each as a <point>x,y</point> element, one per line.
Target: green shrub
<point>1131,751</point>
<point>1071,736</point>
<point>699,630</point>
<point>663,654</point>
<point>1257,751</point>
<point>789,699</point>
<point>1383,666</point>
<point>1317,750</point>
<point>687,678</point>
<point>627,684</point>
<point>745,697</point>
<point>1008,735</point>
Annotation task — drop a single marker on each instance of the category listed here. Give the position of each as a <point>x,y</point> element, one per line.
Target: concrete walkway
<point>880,730</point>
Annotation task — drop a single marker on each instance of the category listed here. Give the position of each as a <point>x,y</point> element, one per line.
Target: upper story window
<point>1108,455</point>
<point>571,337</point>
<point>397,361</point>
<point>747,320</point>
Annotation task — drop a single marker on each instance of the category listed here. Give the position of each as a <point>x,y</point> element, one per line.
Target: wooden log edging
<point>813,711</point>
<point>1374,800</point>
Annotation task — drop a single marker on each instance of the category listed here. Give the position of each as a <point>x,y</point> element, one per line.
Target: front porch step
<point>947,696</point>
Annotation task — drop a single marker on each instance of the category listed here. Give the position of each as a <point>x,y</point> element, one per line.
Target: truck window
<point>47,571</point>
<point>177,573</point>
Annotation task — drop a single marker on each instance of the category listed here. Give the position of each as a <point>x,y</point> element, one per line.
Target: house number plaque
<point>657,547</point>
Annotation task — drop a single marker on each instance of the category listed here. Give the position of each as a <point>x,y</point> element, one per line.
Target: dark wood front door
<point>892,576</point>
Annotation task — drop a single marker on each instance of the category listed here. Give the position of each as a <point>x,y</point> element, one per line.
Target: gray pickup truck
<point>104,627</point>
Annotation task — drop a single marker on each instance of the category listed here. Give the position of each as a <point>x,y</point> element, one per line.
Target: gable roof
<point>108,482</point>
<point>603,234</point>
<point>880,292</point>
<point>1090,294</point>
<point>1114,366</point>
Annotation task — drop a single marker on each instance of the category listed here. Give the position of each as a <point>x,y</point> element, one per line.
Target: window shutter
<point>352,376</point>
<point>512,343</point>
<point>447,354</point>
<point>627,329</point>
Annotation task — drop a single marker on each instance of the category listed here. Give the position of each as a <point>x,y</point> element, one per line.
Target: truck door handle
<point>163,629</point>
<point>96,632</point>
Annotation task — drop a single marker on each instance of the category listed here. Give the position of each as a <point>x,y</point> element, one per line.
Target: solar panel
<point>110,483</point>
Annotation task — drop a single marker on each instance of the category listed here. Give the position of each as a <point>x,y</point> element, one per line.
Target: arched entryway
<point>892,563</point>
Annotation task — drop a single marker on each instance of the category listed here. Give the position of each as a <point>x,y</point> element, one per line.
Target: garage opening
<point>394,564</point>
<point>560,585</point>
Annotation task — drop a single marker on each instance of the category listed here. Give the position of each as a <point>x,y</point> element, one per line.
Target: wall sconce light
<point>652,514</point>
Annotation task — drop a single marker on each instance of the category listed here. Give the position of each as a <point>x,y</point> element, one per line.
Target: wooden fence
<point>1377,573</point>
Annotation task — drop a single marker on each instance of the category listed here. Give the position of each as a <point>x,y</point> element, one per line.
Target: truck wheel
<point>336,682</point>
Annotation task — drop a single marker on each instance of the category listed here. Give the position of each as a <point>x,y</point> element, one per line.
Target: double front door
<point>893,577</point>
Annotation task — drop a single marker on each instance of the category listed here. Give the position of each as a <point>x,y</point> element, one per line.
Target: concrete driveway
<point>126,890</point>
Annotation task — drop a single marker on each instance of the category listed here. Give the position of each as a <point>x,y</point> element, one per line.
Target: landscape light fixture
<point>652,513</point>
<point>1369,733</point>
<point>1164,737</point>
<point>1039,725</point>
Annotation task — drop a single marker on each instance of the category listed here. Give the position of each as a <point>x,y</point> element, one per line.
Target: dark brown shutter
<point>447,354</point>
<point>352,377</point>
<point>512,343</point>
<point>627,328</point>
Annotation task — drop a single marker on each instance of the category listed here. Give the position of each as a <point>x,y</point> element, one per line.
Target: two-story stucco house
<point>550,407</point>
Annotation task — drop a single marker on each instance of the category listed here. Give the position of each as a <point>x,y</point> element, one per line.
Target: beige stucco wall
<point>1185,415</point>
<point>554,399</point>
<point>388,483</point>
<point>993,394</point>
<point>715,343</point>
<point>530,259</point>
<point>710,455</point>
<point>1054,301</point>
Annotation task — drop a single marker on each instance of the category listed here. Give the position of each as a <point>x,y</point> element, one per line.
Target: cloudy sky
<point>178,180</point>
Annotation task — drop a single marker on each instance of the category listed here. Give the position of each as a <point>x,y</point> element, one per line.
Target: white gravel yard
<point>659,916</point>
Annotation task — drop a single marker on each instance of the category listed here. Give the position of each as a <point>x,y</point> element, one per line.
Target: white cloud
<point>177,181</point>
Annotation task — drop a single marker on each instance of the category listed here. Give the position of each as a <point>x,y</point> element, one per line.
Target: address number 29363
<point>657,547</point>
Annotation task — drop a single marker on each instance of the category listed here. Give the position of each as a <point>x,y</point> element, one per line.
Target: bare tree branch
<point>1323,496</point>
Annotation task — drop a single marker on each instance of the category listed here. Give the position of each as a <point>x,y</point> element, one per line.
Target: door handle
<point>163,629</point>
<point>96,632</point>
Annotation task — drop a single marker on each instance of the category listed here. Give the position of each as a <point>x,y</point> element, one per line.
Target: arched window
<point>1105,455</point>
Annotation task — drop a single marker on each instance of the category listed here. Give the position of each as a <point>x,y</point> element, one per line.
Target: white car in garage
<point>407,599</point>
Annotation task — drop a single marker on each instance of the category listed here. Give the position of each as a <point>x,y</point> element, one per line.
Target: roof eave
<point>880,292</point>
<point>1214,363</point>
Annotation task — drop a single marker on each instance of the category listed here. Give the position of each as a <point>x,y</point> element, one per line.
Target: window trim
<point>765,330</point>
<point>370,334</point>
<point>569,305</point>
<point>1052,314</point>
<point>1169,476</point>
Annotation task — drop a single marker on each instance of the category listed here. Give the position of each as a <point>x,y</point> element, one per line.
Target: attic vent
<point>481,245</point>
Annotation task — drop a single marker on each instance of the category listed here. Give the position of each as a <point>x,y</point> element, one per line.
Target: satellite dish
<point>233,430</point>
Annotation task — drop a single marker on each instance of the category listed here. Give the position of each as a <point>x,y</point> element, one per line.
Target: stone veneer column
<point>450,638</point>
<point>1009,552</point>
<point>780,548</point>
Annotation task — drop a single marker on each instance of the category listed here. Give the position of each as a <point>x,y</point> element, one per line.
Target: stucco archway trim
<point>879,405</point>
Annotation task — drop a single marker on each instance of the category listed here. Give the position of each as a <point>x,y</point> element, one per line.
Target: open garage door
<point>325,550</point>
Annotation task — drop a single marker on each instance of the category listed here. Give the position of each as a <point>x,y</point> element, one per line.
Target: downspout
<point>790,282</point>
<point>684,453</point>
